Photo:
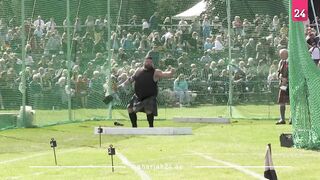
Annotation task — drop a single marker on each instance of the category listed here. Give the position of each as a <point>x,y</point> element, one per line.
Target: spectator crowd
<point>197,48</point>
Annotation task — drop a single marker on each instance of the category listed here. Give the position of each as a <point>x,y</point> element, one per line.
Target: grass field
<point>233,151</point>
<point>248,112</point>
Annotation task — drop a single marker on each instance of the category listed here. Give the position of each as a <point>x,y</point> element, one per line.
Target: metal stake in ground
<point>111,152</point>
<point>53,144</point>
<point>100,131</point>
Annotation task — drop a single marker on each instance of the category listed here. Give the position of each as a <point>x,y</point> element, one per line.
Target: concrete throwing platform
<point>171,131</point>
<point>219,120</point>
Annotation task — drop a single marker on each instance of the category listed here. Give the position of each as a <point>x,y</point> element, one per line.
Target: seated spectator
<point>206,58</point>
<point>208,44</point>
<point>82,90</point>
<point>218,46</point>
<point>35,91</point>
<point>128,43</point>
<point>205,72</point>
<point>180,87</point>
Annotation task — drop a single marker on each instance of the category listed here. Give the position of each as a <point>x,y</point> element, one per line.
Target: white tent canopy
<point>193,12</point>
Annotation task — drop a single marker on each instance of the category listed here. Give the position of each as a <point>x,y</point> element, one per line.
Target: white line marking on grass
<point>36,155</point>
<point>32,175</point>
<point>231,165</point>
<point>74,167</point>
<point>135,168</point>
<point>21,159</point>
<point>248,167</point>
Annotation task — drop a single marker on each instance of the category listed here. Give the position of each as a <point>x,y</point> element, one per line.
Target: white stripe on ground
<point>21,159</point>
<point>30,175</point>
<point>231,165</point>
<point>135,168</point>
<point>248,167</point>
<point>36,155</point>
<point>74,167</point>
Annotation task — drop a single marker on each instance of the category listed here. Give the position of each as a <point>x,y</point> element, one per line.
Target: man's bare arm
<point>128,81</point>
<point>163,74</point>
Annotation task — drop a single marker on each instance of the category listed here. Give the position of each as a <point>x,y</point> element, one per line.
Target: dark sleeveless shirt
<point>144,85</point>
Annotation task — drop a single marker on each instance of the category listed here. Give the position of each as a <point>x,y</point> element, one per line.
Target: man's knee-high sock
<point>150,118</point>
<point>133,119</point>
<point>282,111</point>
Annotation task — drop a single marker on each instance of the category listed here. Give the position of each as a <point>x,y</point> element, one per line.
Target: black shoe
<point>290,121</point>
<point>281,122</point>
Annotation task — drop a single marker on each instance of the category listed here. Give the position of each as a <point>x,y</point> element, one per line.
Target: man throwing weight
<point>146,90</point>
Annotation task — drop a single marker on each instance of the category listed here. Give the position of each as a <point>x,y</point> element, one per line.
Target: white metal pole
<point>69,59</point>
<point>229,57</point>
<point>23,51</point>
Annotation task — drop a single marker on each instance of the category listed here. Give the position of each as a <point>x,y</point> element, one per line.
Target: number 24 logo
<point>299,14</point>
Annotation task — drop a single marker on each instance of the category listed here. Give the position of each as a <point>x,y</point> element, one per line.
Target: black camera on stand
<point>111,152</point>
<point>53,143</point>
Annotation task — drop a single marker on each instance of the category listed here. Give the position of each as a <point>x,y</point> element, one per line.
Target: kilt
<point>146,105</point>
<point>283,97</point>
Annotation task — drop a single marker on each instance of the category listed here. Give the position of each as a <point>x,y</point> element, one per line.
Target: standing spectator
<point>77,26</point>
<point>206,28</point>
<point>115,42</point>
<point>275,23</point>
<point>39,22</point>
<point>237,25</point>
<point>154,21</point>
<point>217,25</point>
<point>3,31</point>
<point>133,24</point>
<point>51,25</point>
<point>145,27</point>
<point>167,23</point>
<point>89,23</point>
<point>315,53</point>
<point>246,27</point>
<point>283,97</point>
<point>87,43</point>
<point>196,26</point>
<point>13,22</point>
<point>312,40</point>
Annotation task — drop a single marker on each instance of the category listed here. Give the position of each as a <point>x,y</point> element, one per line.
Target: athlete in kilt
<point>283,75</point>
<point>145,91</point>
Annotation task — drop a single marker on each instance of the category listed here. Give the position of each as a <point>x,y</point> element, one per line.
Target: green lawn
<point>248,112</point>
<point>241,143</point>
